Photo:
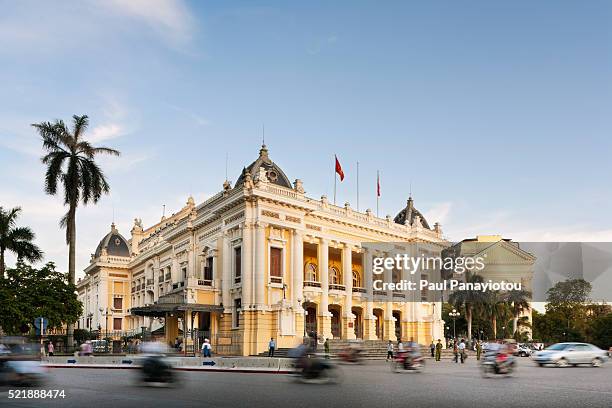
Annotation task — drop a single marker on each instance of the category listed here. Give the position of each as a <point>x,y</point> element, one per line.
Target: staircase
<point>372,349</point>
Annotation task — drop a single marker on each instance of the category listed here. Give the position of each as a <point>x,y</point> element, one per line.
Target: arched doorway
<point>378,315</point>
<point>311,317</point>
<point>358,312</point>
<point>336,321</point>
<point>398,324</point>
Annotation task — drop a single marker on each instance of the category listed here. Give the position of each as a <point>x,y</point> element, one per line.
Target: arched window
<point>356,279</point>
<point>334,276</point>
<point>310,272</point>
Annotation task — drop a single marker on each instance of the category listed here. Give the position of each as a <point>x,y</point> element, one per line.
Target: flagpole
<point>335,177</point>
<point>377,188</point>
<point>358,186</point>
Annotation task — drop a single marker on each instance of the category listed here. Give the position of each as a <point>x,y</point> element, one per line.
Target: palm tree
<point>519,303</point>
<point>494,309</point>
<point>70,160</point>
<point>17,240</point>
<point>469,300</point>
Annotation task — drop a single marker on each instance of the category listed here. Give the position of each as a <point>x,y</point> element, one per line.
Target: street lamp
<point>504,331</point>
<point>454,315</point>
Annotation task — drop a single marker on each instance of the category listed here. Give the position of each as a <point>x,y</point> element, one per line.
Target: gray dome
<point>408,214</point>
<point>114,243</point>
<point>273,172</point>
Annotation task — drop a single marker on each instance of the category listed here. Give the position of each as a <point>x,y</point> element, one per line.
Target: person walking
<point>50,349</point>
<point>389,350</point>
<point>438,350</point>
<point>455,352</point>
<point>461,349</point>
<point>326,346</point>
<point>432,348</point>
<point>478,350</point>
<point>271,347</point>
<point>206,348</point>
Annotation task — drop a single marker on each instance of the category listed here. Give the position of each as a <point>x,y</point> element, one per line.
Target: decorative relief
<point>270,214</point>
<point>293,219</point>
<point>210,233</point>
<point>313,227</point>
<point>233,218</point>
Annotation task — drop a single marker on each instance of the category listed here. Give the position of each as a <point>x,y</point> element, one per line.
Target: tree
<point>519,303</point>
<point>28,293</point>
<point>570,299</point>
<point>70,160</point>
<point>601,331</point>
<point>494,308</point>
<point>468,300</point>
<point>17,240</point>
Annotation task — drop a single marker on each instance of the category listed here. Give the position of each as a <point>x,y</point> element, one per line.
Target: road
<point>370,385</point>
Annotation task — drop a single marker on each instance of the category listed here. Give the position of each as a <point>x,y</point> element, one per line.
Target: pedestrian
<point>326,346</point>
<point>461,349</point>
<point>271,347</point>
<point>389,350</point>
<point>50,349</point>
<point>176,344</point>
<point>455,352</point>
<point>432,348</point>
<point>438,350</point>
<point>478,350</point>
<point>206,348</point>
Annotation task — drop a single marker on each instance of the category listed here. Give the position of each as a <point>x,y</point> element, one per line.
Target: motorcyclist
<point>412,351</point>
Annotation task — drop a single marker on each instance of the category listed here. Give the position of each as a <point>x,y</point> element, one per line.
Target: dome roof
<point>114,244</point>
<point>408,215</point>
<point>274,173</point>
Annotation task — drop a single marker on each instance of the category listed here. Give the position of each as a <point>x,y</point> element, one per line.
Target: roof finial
<point>263,135</point>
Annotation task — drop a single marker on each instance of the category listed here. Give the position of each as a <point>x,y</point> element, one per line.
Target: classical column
<point>226,284</point>
<point>260,279</point>
<point>324,314</point>
<point>246,272</point>
<point>297,251</point>
<point>369,318</point>
<point>389,321</point>
<point>347,272</point>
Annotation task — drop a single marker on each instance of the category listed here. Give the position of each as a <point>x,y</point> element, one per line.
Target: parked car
<point>523,350</point>
<point>100,346</point>
<point>565,354</point>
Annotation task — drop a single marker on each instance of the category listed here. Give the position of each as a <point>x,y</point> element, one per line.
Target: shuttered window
<point>275,262</point>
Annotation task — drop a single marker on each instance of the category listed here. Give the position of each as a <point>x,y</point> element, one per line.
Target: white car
<point>523,350</point>
<point>565,354</point>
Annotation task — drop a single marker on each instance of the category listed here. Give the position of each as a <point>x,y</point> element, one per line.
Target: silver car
<point>565,354</point>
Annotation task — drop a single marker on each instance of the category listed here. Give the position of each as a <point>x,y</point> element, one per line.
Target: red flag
<point>377,184</point>
<point>339,169</point>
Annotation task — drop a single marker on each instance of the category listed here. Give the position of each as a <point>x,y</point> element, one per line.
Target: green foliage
<point>27,293</point>
<point>17,240</point>
<point>601,331</point>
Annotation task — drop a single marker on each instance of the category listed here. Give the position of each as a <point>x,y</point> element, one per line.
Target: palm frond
<point>80,124</point>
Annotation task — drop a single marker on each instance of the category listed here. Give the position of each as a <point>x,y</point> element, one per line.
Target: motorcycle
<point>350,355</point>
<point>403,362</point>
<point>315,370</point>
<point>499,364</point>
<point>156,371</point>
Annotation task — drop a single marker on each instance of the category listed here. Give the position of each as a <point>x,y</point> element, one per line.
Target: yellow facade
<point>261,260</point>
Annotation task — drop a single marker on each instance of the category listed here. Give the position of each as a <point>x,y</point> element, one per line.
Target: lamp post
<point>504,332</point>
<point>454,315</point>
<point>105,313</point>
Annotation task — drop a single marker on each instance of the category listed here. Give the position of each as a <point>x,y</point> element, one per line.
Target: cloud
<point>169,18</point>
<point>104,132</point>
<point>439,212</point>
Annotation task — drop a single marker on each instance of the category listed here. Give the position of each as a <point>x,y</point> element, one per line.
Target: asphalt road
<point>370,385</point>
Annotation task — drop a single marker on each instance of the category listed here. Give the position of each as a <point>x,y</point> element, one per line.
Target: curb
<point>201,369</point>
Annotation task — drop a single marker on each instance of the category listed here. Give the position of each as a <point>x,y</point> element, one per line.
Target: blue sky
<point>497,113</point>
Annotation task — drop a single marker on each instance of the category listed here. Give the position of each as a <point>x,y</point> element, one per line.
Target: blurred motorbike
<point>311,368</point>
<point>351,355</point>
<point>20,363</point>
<point>155,368</point>
<point>405,362</point>
<point>497,364</point>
